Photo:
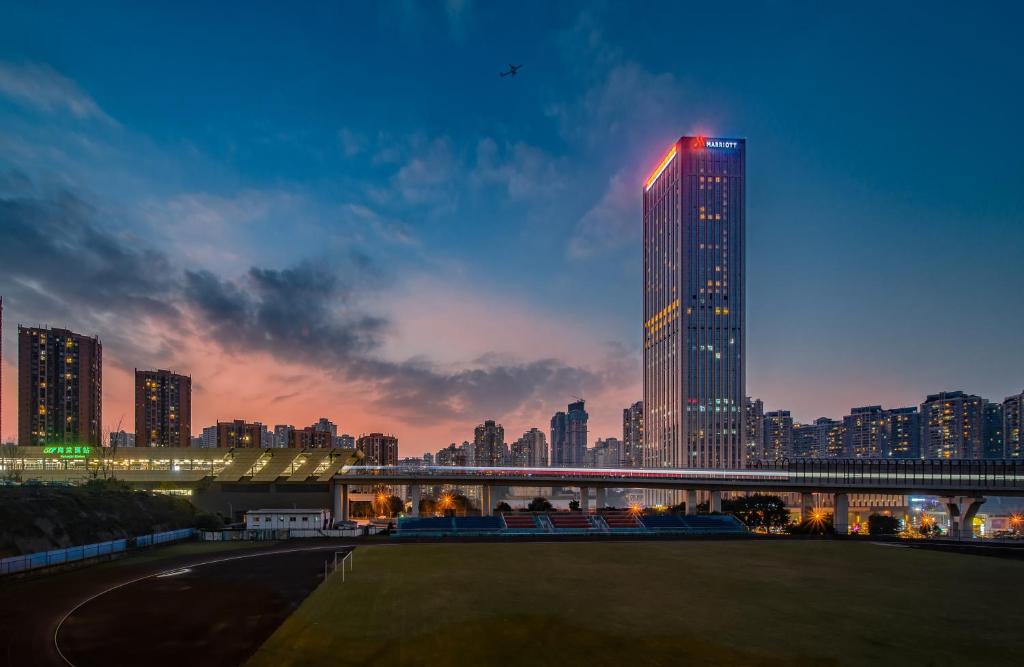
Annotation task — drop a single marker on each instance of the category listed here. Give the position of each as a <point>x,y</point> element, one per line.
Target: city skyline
<point>185,232</point>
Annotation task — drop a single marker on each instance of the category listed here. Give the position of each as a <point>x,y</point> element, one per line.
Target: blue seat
<point>424,523</point>
<point>478,523</point>
<point>662,521</point>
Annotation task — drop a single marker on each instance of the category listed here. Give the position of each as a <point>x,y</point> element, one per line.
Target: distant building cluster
<point>946,425</point>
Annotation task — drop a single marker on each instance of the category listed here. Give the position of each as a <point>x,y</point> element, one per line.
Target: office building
<point>163,409</point>
<point>489,444</point>
<point>60,388</point>
<point>379,449</point>
<point>1013,426</point>
<point>776,435</point>
<point>952,426</point>
<point>992,445</point>
<point>576,420</point>
<point>633,435</point>
<point>559,435</point>
<point>694,274</point>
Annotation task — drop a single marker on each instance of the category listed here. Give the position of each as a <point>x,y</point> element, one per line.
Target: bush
<point>209,522</point>
<point>539,505</point>
<point>883,524</point>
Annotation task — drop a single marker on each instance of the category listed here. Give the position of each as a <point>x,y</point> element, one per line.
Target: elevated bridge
<point>962,484</point>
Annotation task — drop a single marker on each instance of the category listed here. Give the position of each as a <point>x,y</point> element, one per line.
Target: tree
<point>574,506</point>
<point>539,504</point>
<point>703,508</point>
<point>427,506</point>
<point>395,506</point>
<point>503,507</point>
<point>883,524</point>
<point>758,511</point>
<point>461,503</point>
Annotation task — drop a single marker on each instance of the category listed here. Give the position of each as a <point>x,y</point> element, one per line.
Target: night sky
<point>341,209</point>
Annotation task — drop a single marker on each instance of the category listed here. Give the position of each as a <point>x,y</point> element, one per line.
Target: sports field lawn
<point>747,602</point>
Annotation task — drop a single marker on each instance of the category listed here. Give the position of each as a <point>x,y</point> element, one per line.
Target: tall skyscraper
<point>753,421</point>
<point>694,210</point>
<point>776,435</point>
<point>952,424</point>
<point>163,409</point>
<point>576,433</point>
<point>633,435</point>
<point>559,435</point>
<point>489,441</point>
<point>60,388</point>
<point>379,449</point>
<point>1013,426</point>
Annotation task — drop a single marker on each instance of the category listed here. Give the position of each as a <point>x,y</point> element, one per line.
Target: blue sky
<point>448,246</point>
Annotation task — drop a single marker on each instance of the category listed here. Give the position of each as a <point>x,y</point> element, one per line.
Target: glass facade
<point>694,272</point>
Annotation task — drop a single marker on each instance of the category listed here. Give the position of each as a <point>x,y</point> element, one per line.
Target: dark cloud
<point>61,265</point>
<point>57,266</point>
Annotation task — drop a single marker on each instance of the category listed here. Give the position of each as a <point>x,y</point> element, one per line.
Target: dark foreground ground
<point>740,602</point>
<point>214,614</point>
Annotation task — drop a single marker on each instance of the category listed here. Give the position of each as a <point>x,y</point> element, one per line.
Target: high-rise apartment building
<point>903,433</point>
<point>992,445</point>
<point>753,417</point>
<point>489,441</point>
<point>813,441</point>
<point>163,409</point>
<point>952,426</point>
<point>238,433</point>
<point>776,435</point>
<point>866,431</point>
<point>633,435</point>
<point>694,226</point>
<point>606,453</point>
<point>379,449</point>
<point>531,450</point>
<point>60,388</point>
<point>310,437</point>
<point>1013,426</point>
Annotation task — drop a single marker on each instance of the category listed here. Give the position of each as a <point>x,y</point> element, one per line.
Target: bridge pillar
<point>841,513</point>
<point>691,501</point>
<point>962,510</point>
<point>486,501</point>
<point>602,500</point>
<point>344,502</point>
<point>337,500</point>
<point>585,499</point>
<point>806,506</point>
<point>414,495</point>
<point>715,501</point>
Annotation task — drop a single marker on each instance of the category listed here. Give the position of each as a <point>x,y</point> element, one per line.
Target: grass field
<point>698,603</point>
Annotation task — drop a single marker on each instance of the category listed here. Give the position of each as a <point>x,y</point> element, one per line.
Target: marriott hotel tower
<point>694,222</point>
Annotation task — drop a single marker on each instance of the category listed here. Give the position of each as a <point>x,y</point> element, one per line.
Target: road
<point>123,613</point>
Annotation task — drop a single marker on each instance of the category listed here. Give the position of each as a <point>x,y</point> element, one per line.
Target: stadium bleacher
<point>609,522</point>
<point>621,521</point>
<point>570,521</point>
<point>520,522</point>
<point>478,523</point>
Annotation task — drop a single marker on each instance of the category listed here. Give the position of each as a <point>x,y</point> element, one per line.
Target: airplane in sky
<point>512,70</point>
